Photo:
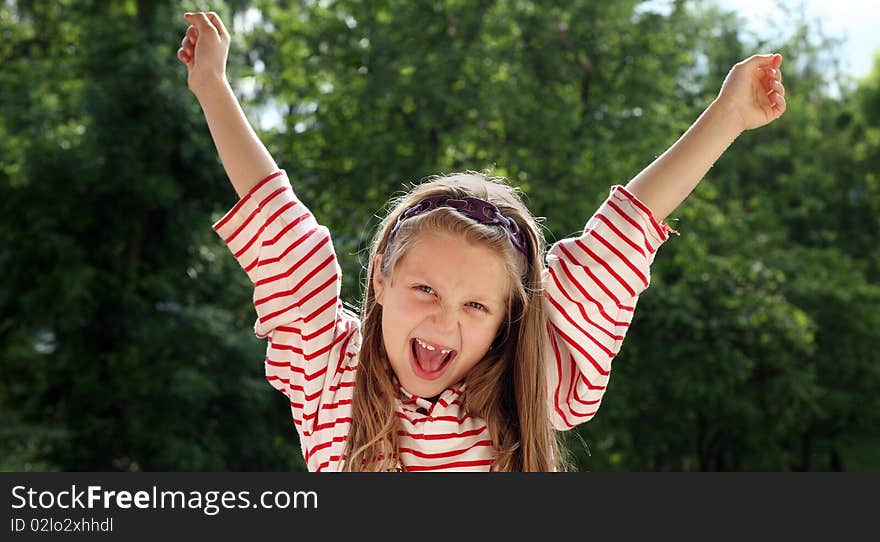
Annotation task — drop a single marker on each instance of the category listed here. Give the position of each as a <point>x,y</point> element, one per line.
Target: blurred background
<point>126,327</point>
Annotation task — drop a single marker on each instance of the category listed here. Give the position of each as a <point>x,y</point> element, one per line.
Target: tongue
<point>429,360</point>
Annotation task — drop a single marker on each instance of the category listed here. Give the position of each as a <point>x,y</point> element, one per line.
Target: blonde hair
<point>507,387</point>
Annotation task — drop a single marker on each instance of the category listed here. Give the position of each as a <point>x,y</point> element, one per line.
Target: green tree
<point>124,329</point>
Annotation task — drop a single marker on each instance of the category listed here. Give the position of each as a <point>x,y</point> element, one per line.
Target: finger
<point>779,104</point>
<point>775,87</point>
<point>192,32</point>
<point>187,46</point>
<point>184,56</point>
<point>201,22</point>
<point>215,19</point>
<point>769,61</point>
<point>779,87</point>
<point>771,76</point>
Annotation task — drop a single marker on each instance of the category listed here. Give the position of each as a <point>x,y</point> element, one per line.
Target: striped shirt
<point>592,283</point>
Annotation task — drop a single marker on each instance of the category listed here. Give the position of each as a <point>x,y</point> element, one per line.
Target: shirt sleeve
<point>591,286</point>
<point>290,259</point>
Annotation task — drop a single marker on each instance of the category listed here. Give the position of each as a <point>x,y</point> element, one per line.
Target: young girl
<point>470,353</point>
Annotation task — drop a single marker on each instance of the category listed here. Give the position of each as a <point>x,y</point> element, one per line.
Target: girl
<point>470,353</point>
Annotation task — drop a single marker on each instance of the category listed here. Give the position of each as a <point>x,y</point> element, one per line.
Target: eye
<point>478,306</point>
<point>425,289</point>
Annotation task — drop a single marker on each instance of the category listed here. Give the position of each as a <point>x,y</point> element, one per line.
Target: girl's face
<point>442,306</point>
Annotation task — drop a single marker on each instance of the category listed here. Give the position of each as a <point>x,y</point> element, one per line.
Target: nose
<point>445,319</point>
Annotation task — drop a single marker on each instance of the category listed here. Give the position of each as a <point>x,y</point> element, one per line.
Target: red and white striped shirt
<point>592,284</point>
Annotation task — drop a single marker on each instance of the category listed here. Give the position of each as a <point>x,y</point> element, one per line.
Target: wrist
<point>206,87</point>
<point>726,115</point>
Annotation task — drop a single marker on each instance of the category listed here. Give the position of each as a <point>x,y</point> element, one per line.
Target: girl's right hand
<point>204,50</point>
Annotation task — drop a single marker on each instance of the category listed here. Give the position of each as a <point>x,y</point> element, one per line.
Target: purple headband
<point>475,208</point>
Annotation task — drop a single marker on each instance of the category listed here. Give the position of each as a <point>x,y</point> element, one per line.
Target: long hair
<point>507,387</point>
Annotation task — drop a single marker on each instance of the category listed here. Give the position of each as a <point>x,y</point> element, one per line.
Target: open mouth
<point>430,360</point>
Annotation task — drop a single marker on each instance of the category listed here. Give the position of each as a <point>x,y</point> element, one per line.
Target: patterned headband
<point>475,208</point>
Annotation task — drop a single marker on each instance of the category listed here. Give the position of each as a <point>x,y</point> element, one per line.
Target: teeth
<point>429,347</point>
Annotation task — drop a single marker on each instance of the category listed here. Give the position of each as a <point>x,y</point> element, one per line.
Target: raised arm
<point>752,96</point>
<point>204,50</point>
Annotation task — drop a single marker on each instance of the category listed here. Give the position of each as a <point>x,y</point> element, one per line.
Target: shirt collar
<point>414,402</point>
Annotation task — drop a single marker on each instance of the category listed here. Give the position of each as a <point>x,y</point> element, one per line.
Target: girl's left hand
<point>753,91</point>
